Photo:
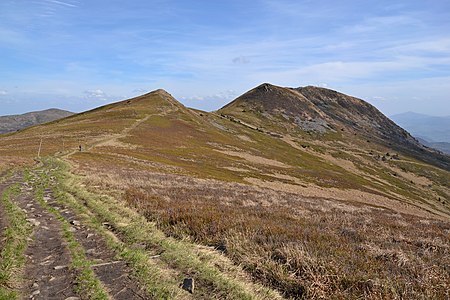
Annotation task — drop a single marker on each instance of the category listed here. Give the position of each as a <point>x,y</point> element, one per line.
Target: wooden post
<point>39,151</point>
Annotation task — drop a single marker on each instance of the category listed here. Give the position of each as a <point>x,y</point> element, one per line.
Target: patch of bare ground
<point>114,274</point>
<point>348,195</point>
<point>47,275</point>
<point>255,159</point>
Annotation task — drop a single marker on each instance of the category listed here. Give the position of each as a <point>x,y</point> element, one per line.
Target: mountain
<point>441,146</point>
<point>430,128</point>
<point>295,193</point>
<point>16,122</point>
<point>320,110</point>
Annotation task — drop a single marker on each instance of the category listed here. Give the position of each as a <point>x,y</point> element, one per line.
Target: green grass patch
<point>12,255</point>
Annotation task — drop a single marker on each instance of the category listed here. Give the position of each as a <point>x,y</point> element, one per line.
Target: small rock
<point>89,235</point>
<point>72,298</point>
<point>59,267</point>
<point>34,222</point>
<point>51,279</point>
<point>75,223</point>
<point>188,285</point>
<point>36,293</point>
<point>35,285</point>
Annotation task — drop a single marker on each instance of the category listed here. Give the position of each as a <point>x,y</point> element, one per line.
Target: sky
<point>80,54</point>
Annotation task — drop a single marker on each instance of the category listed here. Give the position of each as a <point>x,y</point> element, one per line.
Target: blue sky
<point>79,54</point>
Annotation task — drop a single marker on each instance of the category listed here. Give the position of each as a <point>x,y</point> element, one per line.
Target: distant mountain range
<point>16,122</point>
<point>431,131</point>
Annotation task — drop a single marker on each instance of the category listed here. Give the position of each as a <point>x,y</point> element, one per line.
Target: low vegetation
<point>12,254</point>
<point>305,248</point>
<point>158,261</point>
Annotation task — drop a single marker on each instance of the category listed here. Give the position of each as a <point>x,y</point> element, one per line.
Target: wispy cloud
<point>3,93</point>
<point>67,4</point>
<point>197,52</point>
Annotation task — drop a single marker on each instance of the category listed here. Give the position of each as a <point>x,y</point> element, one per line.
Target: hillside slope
<point>324,111</point>
<point>16,122</point>
<point>303,189</point>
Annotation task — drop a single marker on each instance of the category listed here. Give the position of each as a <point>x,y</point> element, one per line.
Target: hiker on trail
<point>80,148</point>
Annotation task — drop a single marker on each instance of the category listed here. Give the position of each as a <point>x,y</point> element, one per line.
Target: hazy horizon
<point>81,111</point>
<point>77,55</point>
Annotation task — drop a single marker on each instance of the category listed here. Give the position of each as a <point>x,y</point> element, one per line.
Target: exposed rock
<point>188,285</point>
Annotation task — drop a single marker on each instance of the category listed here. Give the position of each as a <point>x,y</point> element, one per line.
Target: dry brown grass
<point>305,247</point>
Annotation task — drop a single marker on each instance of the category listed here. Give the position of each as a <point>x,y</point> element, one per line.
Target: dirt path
<point>114,274</point>
<point>47,275</point>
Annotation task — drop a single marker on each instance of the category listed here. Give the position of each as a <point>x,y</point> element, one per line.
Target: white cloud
<point>3,93</point>
<point>96,95</point>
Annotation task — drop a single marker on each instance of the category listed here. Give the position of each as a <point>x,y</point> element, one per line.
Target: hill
<point>16,122</point>
<point>297,193</point>
<point>324,111</point>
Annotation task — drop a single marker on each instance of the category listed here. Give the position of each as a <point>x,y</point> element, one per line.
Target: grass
<point>12,255</point>
<point>303,248</point>
<point>328,255</point>
<point>180,256</point>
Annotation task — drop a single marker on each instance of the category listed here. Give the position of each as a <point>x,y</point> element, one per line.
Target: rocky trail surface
<point>63,258</point>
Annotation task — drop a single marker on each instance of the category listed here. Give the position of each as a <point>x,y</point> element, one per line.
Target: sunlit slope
<point>324,113</point>
<point>154,132</point>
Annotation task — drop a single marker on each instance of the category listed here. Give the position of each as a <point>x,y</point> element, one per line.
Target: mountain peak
<point>321,110</point>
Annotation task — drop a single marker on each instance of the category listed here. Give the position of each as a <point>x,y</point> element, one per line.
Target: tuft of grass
<point>12,256</point>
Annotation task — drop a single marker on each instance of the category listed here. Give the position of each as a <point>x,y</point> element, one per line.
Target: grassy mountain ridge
<point>271,181</point>
<point>320,110</point>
